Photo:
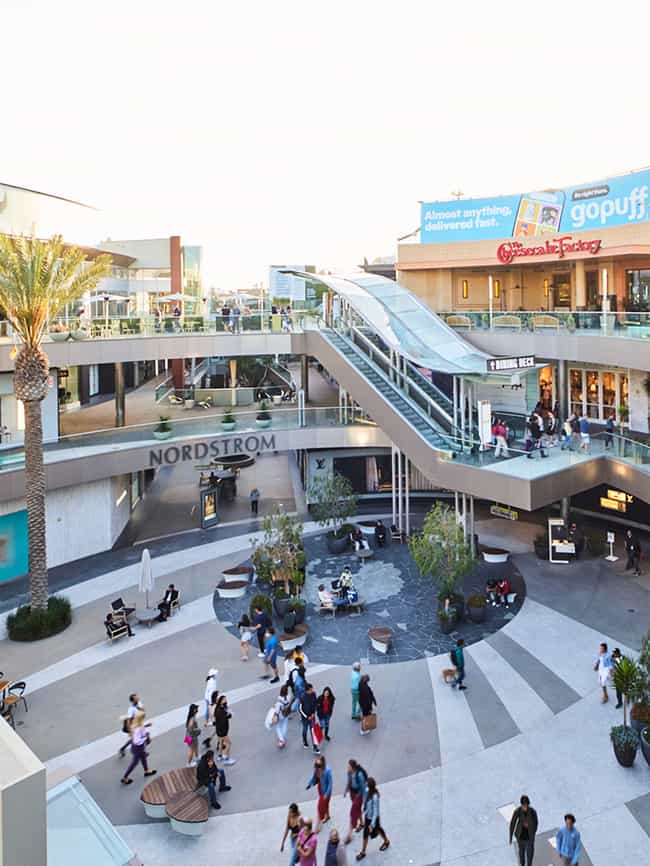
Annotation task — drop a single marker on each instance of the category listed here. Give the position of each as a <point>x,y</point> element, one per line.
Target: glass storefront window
<point>638,290</point>
<point>593,395</point>
<point>609,392</point>
<point>598,393</point>
<point>623,397</point>
<point>576,391</point>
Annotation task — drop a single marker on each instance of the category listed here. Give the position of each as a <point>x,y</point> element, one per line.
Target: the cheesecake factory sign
<point>510,250</point>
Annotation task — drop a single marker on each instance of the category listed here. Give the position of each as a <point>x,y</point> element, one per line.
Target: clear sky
<point>306,132</point>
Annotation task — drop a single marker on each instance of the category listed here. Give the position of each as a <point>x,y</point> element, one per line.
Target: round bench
<point>381,637</point>
<point>292,640</point>
<point>364,553</point>
<point>232,589</point>
<point>240,572</point>
<point>157,793</point>
<point>495,554</point>
<point>187,812</point>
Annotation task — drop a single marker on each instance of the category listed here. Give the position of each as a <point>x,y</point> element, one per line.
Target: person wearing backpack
<point>458,658</point>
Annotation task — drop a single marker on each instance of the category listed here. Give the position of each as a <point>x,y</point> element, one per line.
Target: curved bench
<point>513,322</point>
<point>157,793</point>
<point>495,554</point>
<point>381,637</point>
<point>187,812</point>
<point>292,640</point>
<point>232,589</point>
<point>240,572</point>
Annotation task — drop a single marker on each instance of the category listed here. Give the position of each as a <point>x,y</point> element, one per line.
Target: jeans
<point>324,722</point>
<point>294,853</point>
<point>138,755</point>
<point>356,709</point>
<point>282,727</point>
<point>526,851</point>
<point>460,676</point>
<point>212,794</point>
<point>306,726</point>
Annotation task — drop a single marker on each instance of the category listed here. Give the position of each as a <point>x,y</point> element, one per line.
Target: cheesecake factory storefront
<point>553,251</point>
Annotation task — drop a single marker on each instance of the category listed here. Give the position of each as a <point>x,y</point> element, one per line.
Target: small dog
<point>449,675</point>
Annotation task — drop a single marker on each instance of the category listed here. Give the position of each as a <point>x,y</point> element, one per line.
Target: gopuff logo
<point>634,206</point>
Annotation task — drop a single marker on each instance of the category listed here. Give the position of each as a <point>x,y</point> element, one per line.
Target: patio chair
<point>16,694</point>
<point>118,606</point>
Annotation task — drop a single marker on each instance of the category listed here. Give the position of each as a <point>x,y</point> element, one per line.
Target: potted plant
<point>163,428</point>
<point>570,323</point>
<point>640,695</point>
<point>333,504</point>
<point>485,321</point>
<point>280,601</point>
<point>442,554</point>
<point>79,332</point>
<point>623,414</point>
<point>447,619</point>
<point>263,417</point>
<point>263,602</point>
<point>476,607</point>
<point>297,606</point>
<point>228,421</point>
<point>645,744</point>
<point>540,543</point>
<point>625,740</point>
<point>59,332</point>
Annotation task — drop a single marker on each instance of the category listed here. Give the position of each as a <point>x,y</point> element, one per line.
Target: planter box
<point>281,605</point>
<point>295,639</point>
<point>234,589</point>
<point>158,435</point>
<point>447,625</point>
<point>336,545</point>
<point>240,572</point>
<point>59,336</point>
<point>477,614</point>
<point>228,425</point>
<point>645,746</point>
<point>381,638</point>
<point>79,335</point>
<point>494,554</point>
<point>625,756</point>
<point>263,423</point>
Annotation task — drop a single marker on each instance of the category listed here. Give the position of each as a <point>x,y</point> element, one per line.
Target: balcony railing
<point>630,325</point>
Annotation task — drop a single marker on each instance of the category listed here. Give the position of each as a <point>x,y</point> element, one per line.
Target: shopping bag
<point>317,733</point>
<point>369,723</point>
<point>271,719</point>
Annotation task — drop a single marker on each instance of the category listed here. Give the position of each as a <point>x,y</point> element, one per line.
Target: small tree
<point>334,501</point>
<point>625,676</point>
<point>281,543</point>
<point>440,550</point>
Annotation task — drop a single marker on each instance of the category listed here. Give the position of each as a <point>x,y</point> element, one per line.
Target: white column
<point>400,495</point>
<point>471,524</point>
<point>490,297</point>
<point>462,410</point>
<point>454,413</point>
<point>465,517</point>
<point>394,484</point>
<point>407,495</point>
<point>456,506</point>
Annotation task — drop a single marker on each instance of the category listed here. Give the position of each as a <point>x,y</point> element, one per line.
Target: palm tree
<point>37,279</point>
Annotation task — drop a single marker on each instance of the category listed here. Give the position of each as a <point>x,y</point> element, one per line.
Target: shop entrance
<point>547,395</point>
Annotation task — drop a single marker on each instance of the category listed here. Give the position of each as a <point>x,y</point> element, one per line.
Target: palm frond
<point>38,278</point>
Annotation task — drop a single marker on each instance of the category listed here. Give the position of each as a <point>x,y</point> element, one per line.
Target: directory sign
<point>615,201</point>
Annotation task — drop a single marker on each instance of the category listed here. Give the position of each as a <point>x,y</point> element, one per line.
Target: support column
<point>581,285</point>
<point>465,518</point>
<point>407,494</point>
<point>400,502</point>
<point>455,405</point>
<point>462,411</point>
<point>304,376</point>
<point>120,402</point>
<point>565,504</point>
<point>563,390</point>
<point>471,526</point>
<point>178,373</point>
<point>394,484</point>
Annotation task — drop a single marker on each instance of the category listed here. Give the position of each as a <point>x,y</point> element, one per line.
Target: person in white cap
<point>210,688</point>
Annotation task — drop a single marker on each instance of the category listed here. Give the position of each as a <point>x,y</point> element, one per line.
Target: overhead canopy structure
<point>404,323</point>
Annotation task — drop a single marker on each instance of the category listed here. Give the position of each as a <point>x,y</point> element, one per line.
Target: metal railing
<point>619,324</point>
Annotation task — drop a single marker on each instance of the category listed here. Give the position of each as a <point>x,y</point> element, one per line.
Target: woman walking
<point>335,854</point>
<point>322,777</point>
<point>282,710</point>
<point>245,636</point>
<point>372,824</point>
<point>356,787</point>
<point>210,689</point>
<point>324,710</point>
<point>366,702</point>
<point>192,734</point>
<point>292,828</point>
<point>222,727</point>
<point>306,845</point>
<point>139,741</point>
<point>603,665</point>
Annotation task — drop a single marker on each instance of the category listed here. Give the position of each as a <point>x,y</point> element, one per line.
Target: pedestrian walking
<point>308,717</point>
<point>609,431</point>
<point>633,550</point>
<point>355,677</point>
<point>292,829</point>
<point>567,842</point>
<point>222,717</point>
<point>254,497</point>
<point>523,826</point>
<point>207,774</point>
<point>458,659</point>
<point>324,710</point>
<point>322,778</point>
<point>372,823</point>
<point>192,734</point>
<point>260,623</point>
<point>282,709</point>
<point>335,853</point>
<point>210,689</point>
<point>366,702</point>
<point>535,428</point>
<point>585,438</point>
<point>617,657</point>
<point>298,683</point>
<point>134,706</point>
<point>355,786</point>
<point>139,741</point>
<point>499,433</point>
<point>603,665</point>
<point>271,655</point>
<point>245,636</point>
<point>306,844</point>
<point>566,435</point>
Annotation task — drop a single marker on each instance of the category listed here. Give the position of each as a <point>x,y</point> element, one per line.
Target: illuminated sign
<point>497,365</point>
<point>616,500</point>
<point>510,250</point>
<point>504,511</point>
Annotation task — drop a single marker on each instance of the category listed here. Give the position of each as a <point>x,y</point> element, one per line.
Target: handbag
<point>316,733</point>
<point>369,723</point>
<point>187,740</point>
<point>125,727</point>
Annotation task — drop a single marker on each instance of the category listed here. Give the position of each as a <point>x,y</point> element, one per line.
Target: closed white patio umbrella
<point>146,575</point>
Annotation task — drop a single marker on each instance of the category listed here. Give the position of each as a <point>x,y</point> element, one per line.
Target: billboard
<point>605,203</point>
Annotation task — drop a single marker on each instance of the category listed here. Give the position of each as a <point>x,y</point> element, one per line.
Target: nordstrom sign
<point>249,444</point>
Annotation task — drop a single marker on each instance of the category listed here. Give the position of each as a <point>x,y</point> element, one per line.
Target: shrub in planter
<point>298,607</point>
<point>263,417</point>
<point>626,743</point>
<point>540,543</point>
<point>333,504</point>
<point>280,601</point>
<point>27,625</point>
<point>477,607</point>
<point>457,602</point>
<point>163,428</point>
<point>228,420</point>
<point>640,716</point>
<point>448,619</point>
<point>263,602</point>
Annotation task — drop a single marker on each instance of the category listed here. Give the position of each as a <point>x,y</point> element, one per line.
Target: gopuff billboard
<point>605,203</point>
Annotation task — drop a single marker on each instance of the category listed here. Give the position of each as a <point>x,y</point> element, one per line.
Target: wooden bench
<point>232,589</point>
<point>187,812</point>
<point>116,632</point>
<point>292,640</point>
<point>381,638</point>
<point>513,322</point>
<point>358,606</point>
<point>157,793</point>
<point>460,322</point>
<point>541,322</point>
<point>238,573</point>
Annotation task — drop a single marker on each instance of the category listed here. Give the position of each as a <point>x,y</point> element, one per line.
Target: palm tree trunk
<point>35,499</point>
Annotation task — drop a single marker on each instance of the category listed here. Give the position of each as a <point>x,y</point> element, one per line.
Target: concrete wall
<point>83,519</point>
<point>13,419</point>
<point>148,252</point>
<point>23,840</point>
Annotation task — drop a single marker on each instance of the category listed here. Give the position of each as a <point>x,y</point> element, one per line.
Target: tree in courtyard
<point>37,279</point>
<point>333,501</point>
<point>440,550</point>
<point>281,543</point>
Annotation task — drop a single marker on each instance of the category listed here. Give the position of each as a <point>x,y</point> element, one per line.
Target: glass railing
<point>624,448</point>
<point>62,329</point>
<point>596,323</point>
<point>246,423</point>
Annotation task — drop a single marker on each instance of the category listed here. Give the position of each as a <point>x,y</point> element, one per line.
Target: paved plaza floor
<point>449,765</point>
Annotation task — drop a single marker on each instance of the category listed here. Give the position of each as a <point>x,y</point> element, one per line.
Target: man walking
<point>567,842</point>
<point>271,655</point>
<point>308,716</point>
<point>260,623</point>
<point>458,657</point>
<point>523,826</point>
<point>633,550</point>
<point>355,677</point>
<point>134,707</point>
<point>254,497</point>
<point>617,658</point>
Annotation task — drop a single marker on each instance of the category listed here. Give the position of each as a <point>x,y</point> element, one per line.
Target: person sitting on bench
<point>503,591</point>
<point>491,589</point>
<point>165,605</point>
<point>380,534</point>
<point>326,599</point>
<point>115,622</point>
<point>207,774</point>
<point>358,540</point>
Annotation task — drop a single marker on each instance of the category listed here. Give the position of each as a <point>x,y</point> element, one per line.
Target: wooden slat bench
<point>157,793</point>
<point>540,322</point>
<point>187,812</point>
<point>459,322</point>
<point>381,638</point>
<point>513,322</point>
<point>357,606</point>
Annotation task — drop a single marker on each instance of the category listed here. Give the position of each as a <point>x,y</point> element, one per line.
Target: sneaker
<point>275,680</point>
<point>151,772</point>
<point>260,655</point>
<point>126,781</point>
<point>264,676</point>
<point>229,761</point>
<point>225,788</point>
<point>461,687</point>
<point>316,751</point>
<point>305,746</point>
<point>215,805</point>
<point>219,757</point>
